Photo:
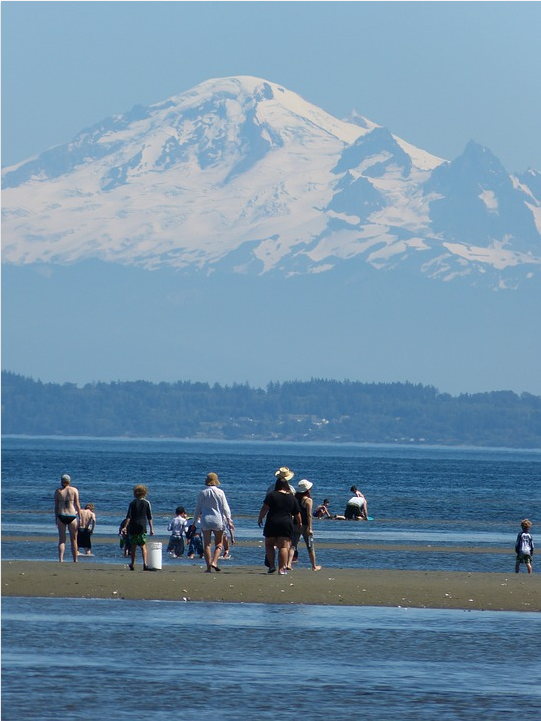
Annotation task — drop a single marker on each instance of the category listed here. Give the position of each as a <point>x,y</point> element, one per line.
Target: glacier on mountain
<point>244,175</point>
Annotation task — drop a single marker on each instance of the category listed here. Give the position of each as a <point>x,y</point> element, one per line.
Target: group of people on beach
<point>286,516</point>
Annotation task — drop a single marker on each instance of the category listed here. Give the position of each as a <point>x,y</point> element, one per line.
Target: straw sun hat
<point>284,473</point>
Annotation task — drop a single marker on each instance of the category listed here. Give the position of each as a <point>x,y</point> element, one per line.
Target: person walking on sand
<point>279,507</point>
<point>139,512</point>
<point>524,546</point>
<point>66,511</point>
<point>305,530</point>
<point>213,509</point>
<point>87,523</point>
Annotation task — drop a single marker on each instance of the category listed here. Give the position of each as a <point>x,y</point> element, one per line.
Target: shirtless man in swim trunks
<point>66,510</point>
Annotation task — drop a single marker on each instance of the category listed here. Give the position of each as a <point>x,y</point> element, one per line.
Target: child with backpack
<point>524,546</point>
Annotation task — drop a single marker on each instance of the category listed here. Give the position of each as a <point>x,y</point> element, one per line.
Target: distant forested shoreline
<point>316,410</point>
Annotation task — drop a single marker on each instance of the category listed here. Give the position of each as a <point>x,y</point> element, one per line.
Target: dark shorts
<point>138,539</point>
<point>524,558</point>
<point>278,530</point>
<point>83,538</point>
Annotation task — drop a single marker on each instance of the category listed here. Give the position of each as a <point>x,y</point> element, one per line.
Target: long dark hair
<point>281,485</point>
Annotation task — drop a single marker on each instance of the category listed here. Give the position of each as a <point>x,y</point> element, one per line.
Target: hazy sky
<point>435,73</point>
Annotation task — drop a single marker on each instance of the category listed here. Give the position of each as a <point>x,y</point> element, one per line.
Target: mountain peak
<point>244,174</point>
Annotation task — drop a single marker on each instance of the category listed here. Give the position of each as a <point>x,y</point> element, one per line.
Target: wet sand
<point>251,584</point>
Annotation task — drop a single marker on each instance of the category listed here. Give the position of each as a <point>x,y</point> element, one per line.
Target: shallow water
<point>419,496</point>
<point>104,659</point>
<point>93,659</point>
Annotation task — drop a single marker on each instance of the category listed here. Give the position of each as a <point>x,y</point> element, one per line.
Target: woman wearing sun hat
<point>304,497</point>
<point>279,507</point>
<point>282,474</point>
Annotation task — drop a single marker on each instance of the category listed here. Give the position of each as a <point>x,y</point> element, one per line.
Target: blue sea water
<point>418,496</point>
<point>120,659</point>
<point>106,659</point>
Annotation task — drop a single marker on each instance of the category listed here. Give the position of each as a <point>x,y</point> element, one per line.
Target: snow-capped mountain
<point>244,175</point>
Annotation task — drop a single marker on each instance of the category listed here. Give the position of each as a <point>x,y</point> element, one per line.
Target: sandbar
<point>252,584</point>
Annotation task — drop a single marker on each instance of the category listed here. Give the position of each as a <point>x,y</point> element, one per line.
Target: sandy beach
<point>251,584</point>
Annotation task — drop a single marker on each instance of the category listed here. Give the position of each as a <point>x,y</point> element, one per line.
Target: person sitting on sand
<point>66,511</point>
<point>322,511</point>
<point>87,523</point>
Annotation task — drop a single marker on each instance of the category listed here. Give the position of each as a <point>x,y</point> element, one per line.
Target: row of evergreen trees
<point>315,410</point>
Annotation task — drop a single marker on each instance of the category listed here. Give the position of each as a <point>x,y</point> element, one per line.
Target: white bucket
<point>154,556</point>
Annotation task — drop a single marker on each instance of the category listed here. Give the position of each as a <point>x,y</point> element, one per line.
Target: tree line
<point>314,410</point>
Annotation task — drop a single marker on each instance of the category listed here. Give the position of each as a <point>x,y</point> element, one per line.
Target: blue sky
<point>436,74</point>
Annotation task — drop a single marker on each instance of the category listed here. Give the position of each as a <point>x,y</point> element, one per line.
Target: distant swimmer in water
<point>67,509</point>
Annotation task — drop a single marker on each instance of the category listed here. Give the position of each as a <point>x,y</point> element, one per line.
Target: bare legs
<point>283,545</point>
<point>62,539</point>
<point>144,553</point>
<point>283,553</point>
<point>211,559</point>
<point>271,554</point>
<point>133,551</point>
<point>312,555</point>
<point>517,567</point>
<point>311,552</point>
<point>290,555</point>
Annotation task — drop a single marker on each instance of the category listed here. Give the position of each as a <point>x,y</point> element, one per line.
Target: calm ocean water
<point>105,659</point>
<point>417,496</point>
<point>93,659</point>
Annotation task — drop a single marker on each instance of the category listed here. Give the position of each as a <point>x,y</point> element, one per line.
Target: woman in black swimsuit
<point>66,511</point>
